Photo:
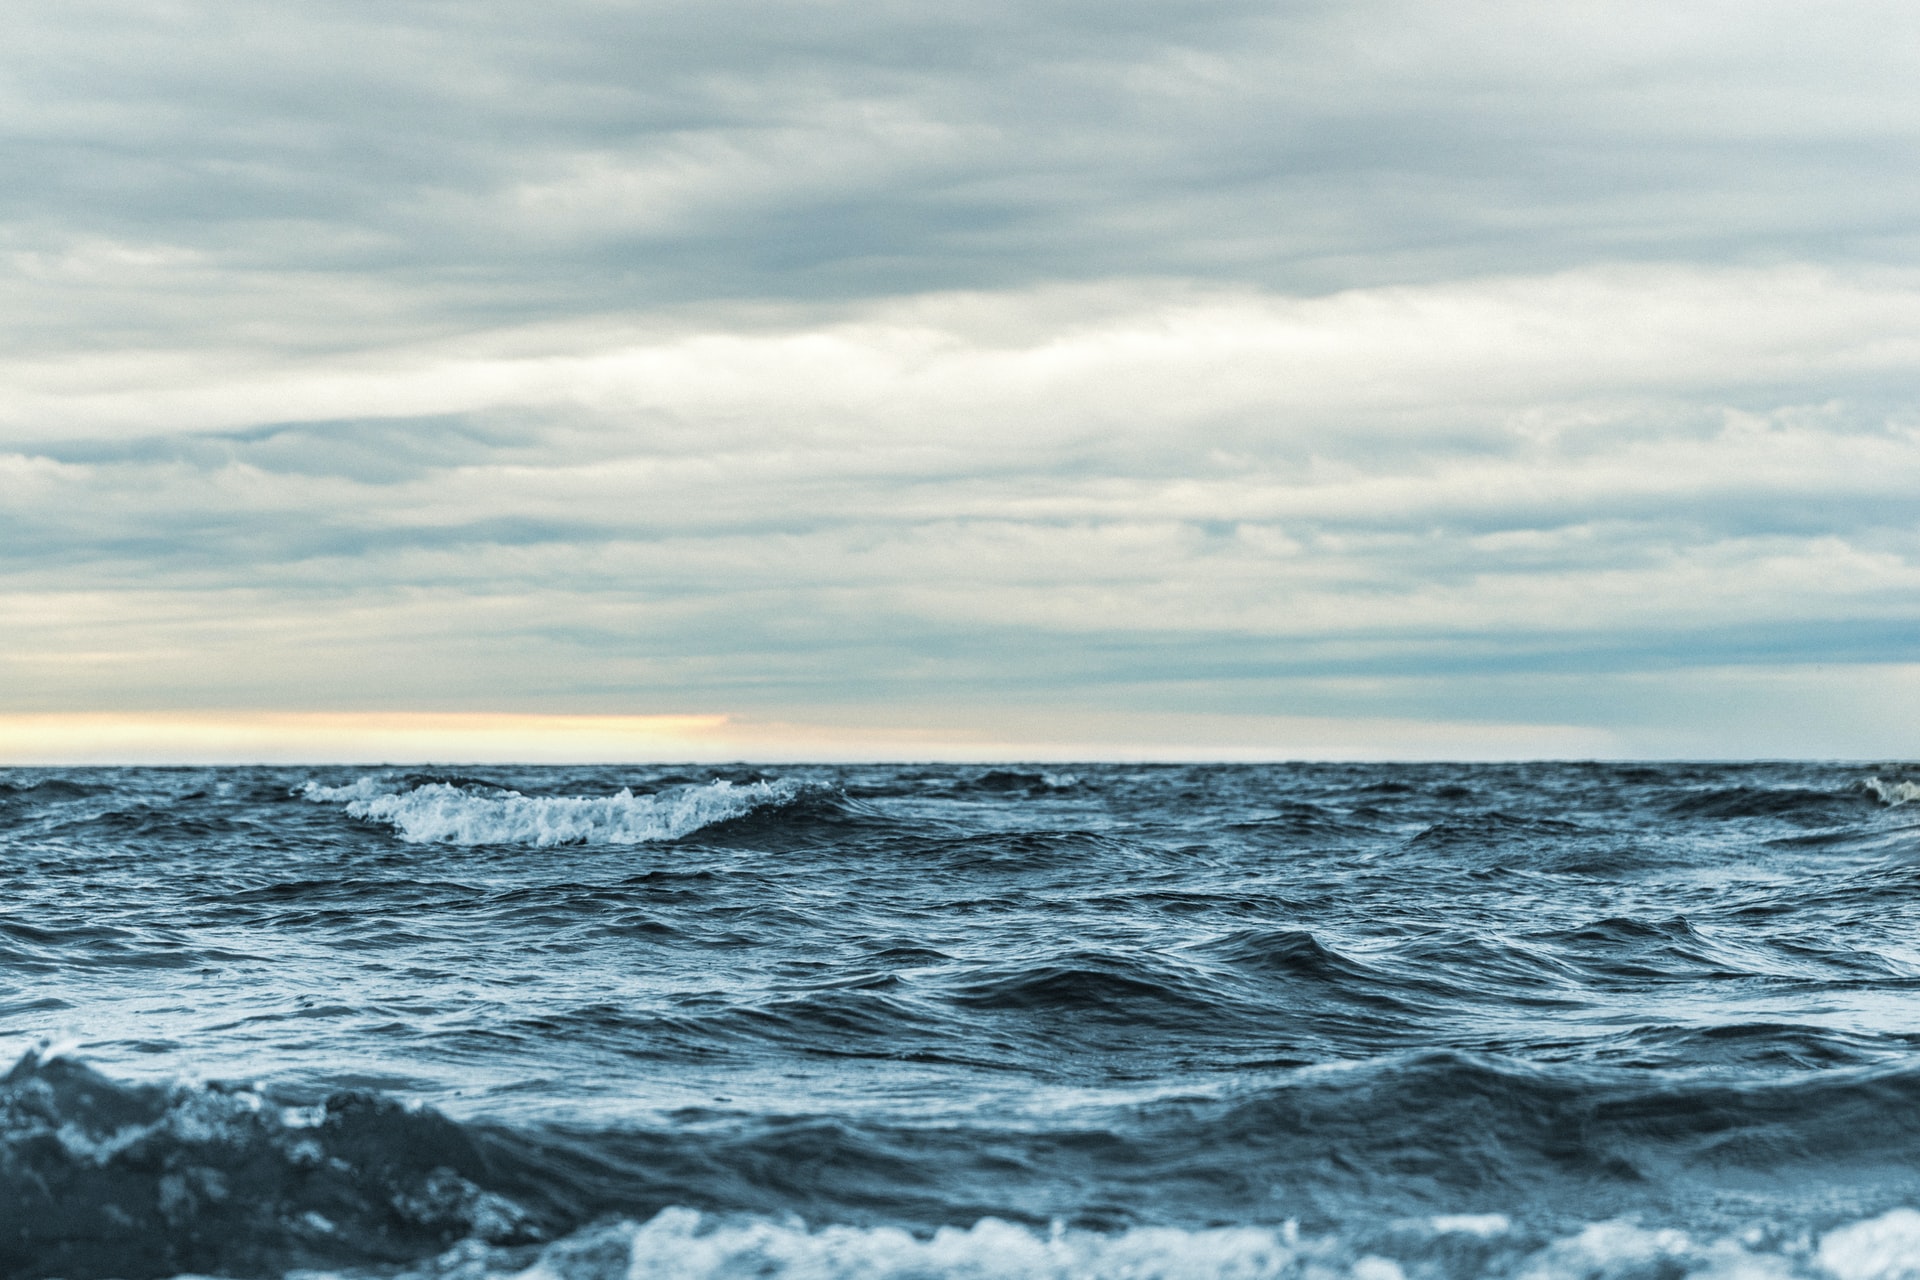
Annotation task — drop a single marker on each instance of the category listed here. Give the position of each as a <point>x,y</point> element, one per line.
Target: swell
<point>102,1178</point>
<point>47,789</point>
<point>1791,804</point>
<point>108,1179</point>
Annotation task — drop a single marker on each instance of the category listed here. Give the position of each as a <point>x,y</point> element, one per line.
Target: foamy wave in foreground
<point>1892,793</point>
<point>682,1244</point>
<point>441,813</point>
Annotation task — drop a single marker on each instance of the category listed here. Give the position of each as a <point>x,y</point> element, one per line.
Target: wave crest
<point>688,1245</point>
<point>1892,793</point>
<point>443,813</point>
<point>679,1237</point>
<point>101,1178</point>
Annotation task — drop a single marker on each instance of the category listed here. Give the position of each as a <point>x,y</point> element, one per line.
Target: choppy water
<point>1301,1021</point>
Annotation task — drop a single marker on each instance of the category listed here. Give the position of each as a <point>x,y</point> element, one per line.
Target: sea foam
<point>441,813</point>
<point>1892,793</point>
<point>687,1245</point>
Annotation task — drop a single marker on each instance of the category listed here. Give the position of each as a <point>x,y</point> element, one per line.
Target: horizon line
<point>399,739</point>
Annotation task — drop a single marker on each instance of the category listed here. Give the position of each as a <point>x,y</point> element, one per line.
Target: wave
<point>1789,804</point>
<point>1004,851</point>
<point>1291,952</point>
<point>101,1178</point>
<point>1011,780</point>
<point>48,789</point>
<point>1137,990</point>
<point>1290,822</point>
<point>1491,828</point>
<point>687,1245</point>
<point>1408,1161</point>
<point>480,814</point>
<point>1892,793</point>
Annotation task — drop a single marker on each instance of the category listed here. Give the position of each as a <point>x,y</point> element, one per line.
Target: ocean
<point>1379,1021</point>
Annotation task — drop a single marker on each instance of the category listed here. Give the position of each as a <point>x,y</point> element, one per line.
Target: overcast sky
<point>1056,378</point>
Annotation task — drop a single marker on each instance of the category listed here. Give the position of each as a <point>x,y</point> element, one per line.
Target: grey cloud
<point>364,450</point>
<point>459,355</point>
<point>817,151</point>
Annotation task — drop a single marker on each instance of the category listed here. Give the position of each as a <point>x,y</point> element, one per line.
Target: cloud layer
<point>851,362</point>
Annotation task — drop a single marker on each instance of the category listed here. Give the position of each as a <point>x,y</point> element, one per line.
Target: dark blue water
<point>1303,1021</point>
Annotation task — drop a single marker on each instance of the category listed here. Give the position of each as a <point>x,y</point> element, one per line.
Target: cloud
<point>780,358</point>
<point>493,167</point>
<point>956,489</point>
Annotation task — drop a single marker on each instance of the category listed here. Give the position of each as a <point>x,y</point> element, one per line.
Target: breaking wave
<point>687,1245</point>
<point>477,814</point>
<point>1892,793</point>
<point>100,1178</point>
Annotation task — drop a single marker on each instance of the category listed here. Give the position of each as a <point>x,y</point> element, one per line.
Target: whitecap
<point>359,789</point>
<point>1882,1248</point>
<point>1484,1225</point>
<point>440,813</point>
<point>685,1244</point>
<point>1892,793</point>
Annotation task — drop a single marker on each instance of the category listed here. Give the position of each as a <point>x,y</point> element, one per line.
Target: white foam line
<point>439,813</point>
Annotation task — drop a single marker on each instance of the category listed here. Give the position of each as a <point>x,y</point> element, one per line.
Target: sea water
<point>1314,1021</point>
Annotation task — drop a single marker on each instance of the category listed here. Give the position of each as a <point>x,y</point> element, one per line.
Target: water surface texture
<point>1306,1021</point>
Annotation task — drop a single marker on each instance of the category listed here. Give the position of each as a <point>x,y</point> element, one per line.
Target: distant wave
<point>1892,793</point>
<point>476,814</point>
<point>1009,780</point>
<point>1787,803</point>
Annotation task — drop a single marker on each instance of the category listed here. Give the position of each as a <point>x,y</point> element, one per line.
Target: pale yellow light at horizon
<point>345,736</point>
<point>402,737</point>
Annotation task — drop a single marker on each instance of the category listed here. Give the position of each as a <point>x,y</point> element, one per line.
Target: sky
<point>840,379</point>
